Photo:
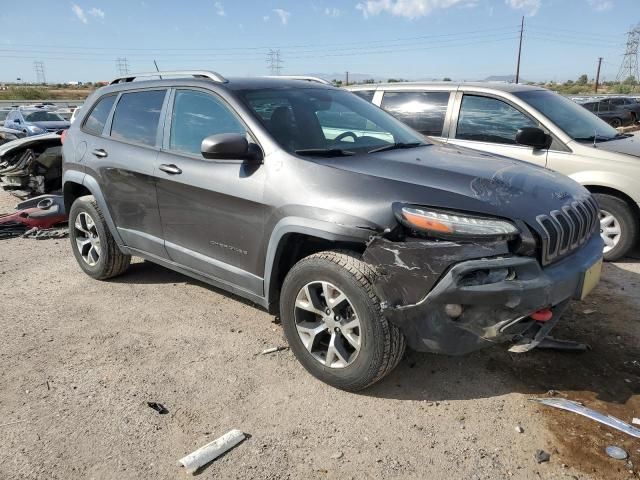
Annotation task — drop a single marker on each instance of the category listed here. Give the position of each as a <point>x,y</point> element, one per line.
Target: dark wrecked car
<point>328,212</point>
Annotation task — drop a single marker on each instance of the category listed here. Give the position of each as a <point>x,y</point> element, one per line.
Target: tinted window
<point>366,94</point>
<point>422,111</point>
<point>95,122</point>
<point>617,101</point>
<point>137,115</point>
<point>197,115</point>
<point>42,116</point>
<point>489,120</point>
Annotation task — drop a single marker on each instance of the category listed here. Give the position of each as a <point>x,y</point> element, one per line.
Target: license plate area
<point>590,279</point>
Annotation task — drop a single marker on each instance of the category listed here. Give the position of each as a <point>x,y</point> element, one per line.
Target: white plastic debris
<point>616,452</point>
<point>273,350</point>
<point>635,421</point>
<point>211,451</point>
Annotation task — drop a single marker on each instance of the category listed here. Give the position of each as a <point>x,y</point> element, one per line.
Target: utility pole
<point>629,66</point>
<point>347,79</point>
<point>598,74</point>
<point>122,66</point>
<point>39,69</point>
<point>519,51</point>
<point>274,61</point>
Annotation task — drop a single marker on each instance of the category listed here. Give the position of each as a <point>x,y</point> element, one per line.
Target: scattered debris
<point>273,350</point>
<point>519,429</point>
<point>541,456</point>
<point>616,452</point>
<point>158,407</point>
<point>635,421</point>
<point>46,233</point>
<point>43,213</point>
<point>211,451</point>
<point>589,311</point>
<point>576,407</point>
<point>337,455</point>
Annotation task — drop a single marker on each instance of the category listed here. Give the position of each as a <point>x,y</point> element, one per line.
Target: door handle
<point>171,169</point>
<point>100,153</point>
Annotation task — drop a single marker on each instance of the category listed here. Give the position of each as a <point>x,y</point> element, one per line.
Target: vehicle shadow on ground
<point>609,323</point>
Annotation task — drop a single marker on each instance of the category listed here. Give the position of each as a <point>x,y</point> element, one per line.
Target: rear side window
<point>366,94</point>
<point>197,115</point>
<point>137,117</point>
<point>95,122</point>
<point>486,119</point>
<point>422,111</point>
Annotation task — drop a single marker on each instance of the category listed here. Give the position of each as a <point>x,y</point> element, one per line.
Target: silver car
<point>535,125</point>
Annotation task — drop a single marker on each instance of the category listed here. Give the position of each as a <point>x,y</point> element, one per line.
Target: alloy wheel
<point>610,230</point>
<point>87,239</point>
<point>327,324</point>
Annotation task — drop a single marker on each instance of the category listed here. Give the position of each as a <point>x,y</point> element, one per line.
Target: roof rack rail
<point>216,77</point>
<point>306,78</point>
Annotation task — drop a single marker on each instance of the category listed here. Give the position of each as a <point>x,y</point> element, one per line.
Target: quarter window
<point>137,116</point>
<point>196,116</point>
<point>422,111</point>
<point>95,122</point>
<point>490,120</point>
<point>366,94</point>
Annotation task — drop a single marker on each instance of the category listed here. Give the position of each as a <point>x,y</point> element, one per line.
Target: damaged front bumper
<point>454,298</point>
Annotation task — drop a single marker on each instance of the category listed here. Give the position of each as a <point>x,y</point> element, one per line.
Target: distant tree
<point>630,80</point>
<point>369,81</point>
<point>569,82</point>
<point>582,80</point>
<point>337,83</point>
<point>446,79</point>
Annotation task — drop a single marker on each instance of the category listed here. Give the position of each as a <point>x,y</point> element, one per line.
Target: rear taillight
<point>63,136</point>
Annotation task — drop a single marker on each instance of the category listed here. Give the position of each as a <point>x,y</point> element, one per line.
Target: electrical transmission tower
<point>629,66</point>
<point>274,61</point>
<point>39,69</point>
<point>122,66</point>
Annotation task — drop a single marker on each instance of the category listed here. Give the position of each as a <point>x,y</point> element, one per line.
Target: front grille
<point>566,229</point>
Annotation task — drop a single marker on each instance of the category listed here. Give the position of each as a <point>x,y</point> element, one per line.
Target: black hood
<point>629,146</point>
<point>457,178</point>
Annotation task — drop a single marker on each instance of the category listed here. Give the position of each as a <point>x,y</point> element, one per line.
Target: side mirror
<point>533,137</point>
<point>17,120</point>
<point>227,146</point>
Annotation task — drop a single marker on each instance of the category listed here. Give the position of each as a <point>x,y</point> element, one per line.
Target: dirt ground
<point>80,359</point>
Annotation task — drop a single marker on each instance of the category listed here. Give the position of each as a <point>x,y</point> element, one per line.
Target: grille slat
<point>565,230</point>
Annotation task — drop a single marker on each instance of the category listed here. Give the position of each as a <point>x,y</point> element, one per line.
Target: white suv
<point>535,125</point>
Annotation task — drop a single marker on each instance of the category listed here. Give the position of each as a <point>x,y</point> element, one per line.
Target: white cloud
<point>96,12</point>
<point>266,18</point>
<point>283,14</point>
<point>601,5</point>
<point>333,12</point>
<point>531,6</point>
<point>408,8</point>
<point>219,9</point>
<point>79,12</point>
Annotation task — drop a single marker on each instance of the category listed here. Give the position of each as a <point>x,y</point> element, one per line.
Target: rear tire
<point>349,286</point>
<point>92,243</point>
<point>616,215</point>
<point>615,122</point>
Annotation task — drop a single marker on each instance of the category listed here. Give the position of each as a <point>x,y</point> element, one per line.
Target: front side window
<point>329,120</point>
<point>422,111</point>
<point>137,117</point>
<point>486,119</point>
<point>96,121</point>
<point>196,116</point>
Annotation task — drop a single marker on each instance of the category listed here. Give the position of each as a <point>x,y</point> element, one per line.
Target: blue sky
<point>413,39</point>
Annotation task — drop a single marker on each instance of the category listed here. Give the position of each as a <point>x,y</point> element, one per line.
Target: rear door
<point>488,123</point>
<point>122,152</point>
<point>212,210</point>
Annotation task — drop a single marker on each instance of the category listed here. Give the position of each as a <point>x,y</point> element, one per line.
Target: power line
<point>38,67</point>
<point>274,61</point>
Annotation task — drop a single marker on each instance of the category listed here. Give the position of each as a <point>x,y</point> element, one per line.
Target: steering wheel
<point>344,135</point>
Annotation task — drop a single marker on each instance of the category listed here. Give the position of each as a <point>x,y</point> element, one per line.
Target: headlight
<point>34,129</point>
<point>453,224</point>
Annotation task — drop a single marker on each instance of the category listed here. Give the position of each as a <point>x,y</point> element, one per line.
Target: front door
<point>489,124</point>
<point>212,210</point>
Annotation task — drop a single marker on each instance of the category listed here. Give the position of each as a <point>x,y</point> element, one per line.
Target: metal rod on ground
<point>598,74</point>
<point>519,51</point>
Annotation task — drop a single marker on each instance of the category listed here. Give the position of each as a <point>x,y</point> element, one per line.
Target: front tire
<point>618,226</point>
<point>334,323</point>
<point>92,243</point>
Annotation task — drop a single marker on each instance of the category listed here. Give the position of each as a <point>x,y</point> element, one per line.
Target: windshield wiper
<point>397,146</point>
<point>325,152</point>
<point>594,138</point>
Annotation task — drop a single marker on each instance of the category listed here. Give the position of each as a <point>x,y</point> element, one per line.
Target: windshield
<point>575,120</point>
<point>42,116</point>
<point>327,121</point>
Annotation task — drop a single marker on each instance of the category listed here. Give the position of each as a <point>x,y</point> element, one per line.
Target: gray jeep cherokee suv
<point>327,211</point>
